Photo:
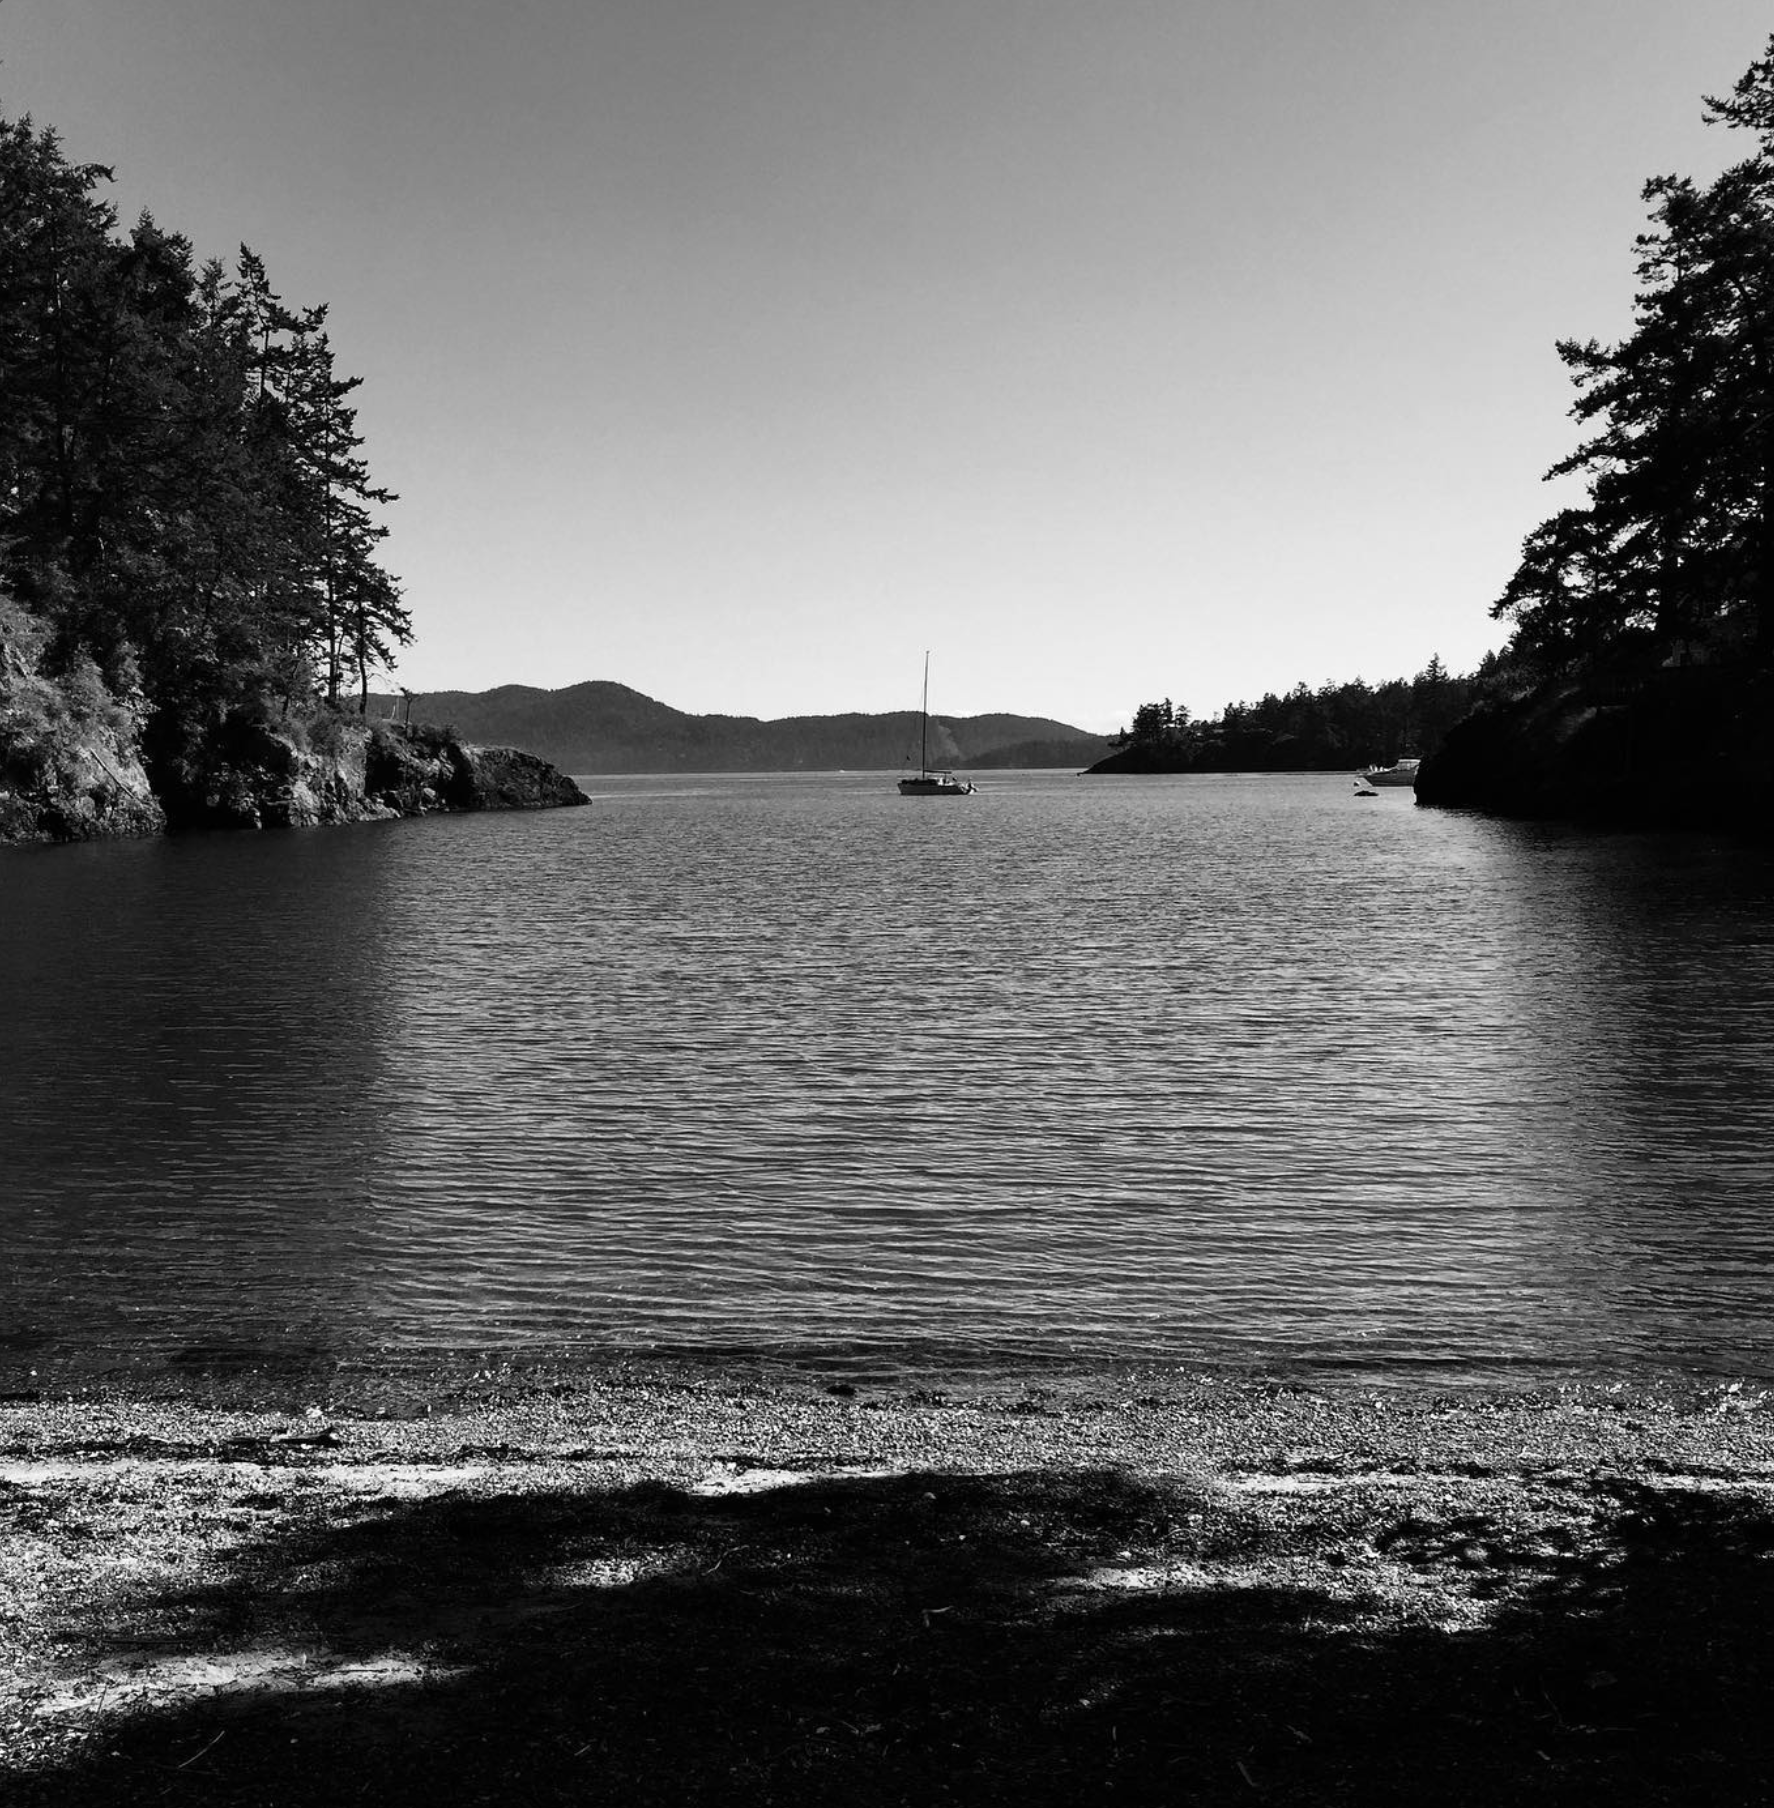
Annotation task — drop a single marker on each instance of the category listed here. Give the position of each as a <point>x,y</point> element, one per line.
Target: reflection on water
<point>194,1101</point>
<point>1221,1070</point>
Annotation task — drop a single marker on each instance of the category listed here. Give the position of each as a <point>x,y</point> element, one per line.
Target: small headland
<point>1143,760</point>
<point>77,763</point>
<point>677,1586</point>
<point>283,776</point>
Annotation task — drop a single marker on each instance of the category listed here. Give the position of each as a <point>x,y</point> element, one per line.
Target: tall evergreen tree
<point>355,610</point>
<point>1672,557</point>
<point>55,258</point>
<point>183,491</point>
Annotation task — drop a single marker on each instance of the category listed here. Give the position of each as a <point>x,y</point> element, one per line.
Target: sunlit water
<point>1239,1072</point>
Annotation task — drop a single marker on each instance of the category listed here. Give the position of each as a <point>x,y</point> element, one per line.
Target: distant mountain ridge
<point>603,727</point>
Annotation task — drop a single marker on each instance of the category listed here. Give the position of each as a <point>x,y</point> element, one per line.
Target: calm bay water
<point>1228,1071</point>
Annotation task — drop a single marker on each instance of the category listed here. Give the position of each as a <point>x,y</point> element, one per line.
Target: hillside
<point>602,727</point>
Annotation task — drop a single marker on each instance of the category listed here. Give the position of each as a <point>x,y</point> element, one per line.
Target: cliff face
<point>1679,747</point>
<point>70,757</point>
<point>73,767</point>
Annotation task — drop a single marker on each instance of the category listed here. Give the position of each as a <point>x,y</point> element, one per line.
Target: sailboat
<point>928,783</point>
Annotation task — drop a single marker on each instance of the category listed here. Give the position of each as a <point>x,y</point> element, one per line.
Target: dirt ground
<point>682,1588</point>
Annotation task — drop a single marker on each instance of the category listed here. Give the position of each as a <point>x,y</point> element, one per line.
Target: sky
<point>741,351</point>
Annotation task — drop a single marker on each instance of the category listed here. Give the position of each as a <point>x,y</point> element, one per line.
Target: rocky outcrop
<point>1689,746</point>
<point>268,775</point>
<point>418,769</point>
<point>505,778</point>
<point>74,764</point>
<point>70,766</point>
<point>90,791</point>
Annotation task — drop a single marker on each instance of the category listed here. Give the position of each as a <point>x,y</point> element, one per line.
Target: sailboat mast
<point>924,719</point>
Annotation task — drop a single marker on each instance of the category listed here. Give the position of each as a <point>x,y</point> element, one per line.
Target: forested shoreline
<point>192,602</point>
<point>1637,683</point>
<point>1639,672</point>
<point>1336,726</point>
<point>189,530</point>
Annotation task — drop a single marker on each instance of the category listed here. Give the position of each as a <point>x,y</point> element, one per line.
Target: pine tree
<point>355,614</point>
<point>55,258</point>
<point>1672,557</point>
<point>184,496</point>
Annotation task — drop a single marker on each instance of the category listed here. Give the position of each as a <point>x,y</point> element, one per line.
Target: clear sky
<point>739,350</point>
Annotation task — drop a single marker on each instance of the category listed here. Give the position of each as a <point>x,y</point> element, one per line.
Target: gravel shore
<point>492,1584</point>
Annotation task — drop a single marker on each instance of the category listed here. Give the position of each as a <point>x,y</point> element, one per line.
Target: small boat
<point>928,783</point>
<point>1364,789</point>
<point>1401,772</point>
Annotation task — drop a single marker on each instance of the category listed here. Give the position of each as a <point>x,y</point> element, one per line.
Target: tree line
<point>1334,727</point>
<point>1669,560</point>
<point>186,512</point>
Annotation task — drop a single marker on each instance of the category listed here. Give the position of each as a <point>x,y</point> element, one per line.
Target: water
<point>1238,1072</point>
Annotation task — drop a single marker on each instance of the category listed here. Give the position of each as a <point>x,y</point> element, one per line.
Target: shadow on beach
<point>1038,1638</point>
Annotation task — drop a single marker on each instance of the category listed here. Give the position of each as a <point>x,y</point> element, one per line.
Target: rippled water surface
<point>1224,1070</point>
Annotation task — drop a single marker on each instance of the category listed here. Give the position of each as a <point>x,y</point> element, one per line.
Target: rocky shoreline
<point>676,1585</point>
<point>80,763</point>
<point>95,785</point>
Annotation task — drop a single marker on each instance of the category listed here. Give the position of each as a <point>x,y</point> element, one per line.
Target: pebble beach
<point>491,1583</point>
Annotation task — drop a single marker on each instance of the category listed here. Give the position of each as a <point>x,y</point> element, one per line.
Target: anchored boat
<point>928,783</point>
